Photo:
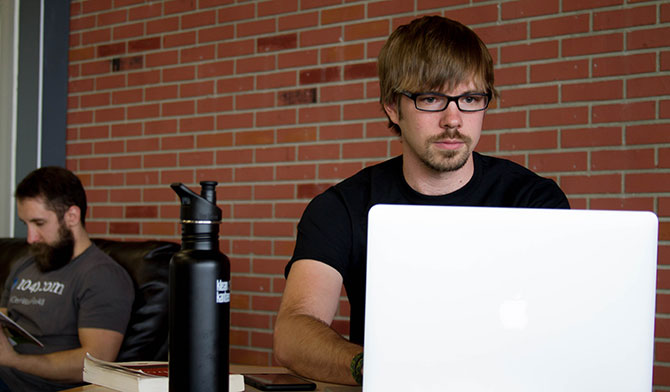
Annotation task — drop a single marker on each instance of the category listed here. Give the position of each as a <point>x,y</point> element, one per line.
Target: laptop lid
<point>502,299</point>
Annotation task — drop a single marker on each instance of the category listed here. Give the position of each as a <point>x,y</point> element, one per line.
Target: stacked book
<point>137,376</point>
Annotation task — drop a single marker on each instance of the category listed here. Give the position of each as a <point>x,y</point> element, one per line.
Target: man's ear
<point>392,112</point>
<point>72,216</point>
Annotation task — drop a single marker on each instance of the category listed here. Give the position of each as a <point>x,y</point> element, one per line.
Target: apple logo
<point>514,313</point>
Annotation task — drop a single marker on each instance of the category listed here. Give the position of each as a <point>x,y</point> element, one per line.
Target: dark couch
<point>148,265</point>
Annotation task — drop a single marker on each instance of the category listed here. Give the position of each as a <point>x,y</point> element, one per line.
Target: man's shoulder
<point>510,183</point>
<point>96,263</point>
<point>379,172</point>
<point>353,194</point>
<point>500,169</point>
<point>491,163</point>
<point>95,257</point>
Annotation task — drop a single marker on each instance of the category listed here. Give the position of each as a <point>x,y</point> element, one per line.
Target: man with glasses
<point>436,82</point>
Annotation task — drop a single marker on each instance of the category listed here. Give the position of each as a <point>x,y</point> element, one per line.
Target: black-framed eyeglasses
<point>436,102</point>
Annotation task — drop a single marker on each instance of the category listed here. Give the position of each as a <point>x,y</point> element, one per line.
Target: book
<point>150,376</point>
<point>16,333</point>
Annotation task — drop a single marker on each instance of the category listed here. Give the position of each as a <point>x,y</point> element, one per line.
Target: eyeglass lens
<point>466,102</point>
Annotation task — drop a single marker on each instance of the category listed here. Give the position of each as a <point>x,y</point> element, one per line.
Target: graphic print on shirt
<point>28,286</point>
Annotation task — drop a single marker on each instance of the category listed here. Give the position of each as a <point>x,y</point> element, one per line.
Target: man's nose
<point>32,237</point>
<point>451,116</point>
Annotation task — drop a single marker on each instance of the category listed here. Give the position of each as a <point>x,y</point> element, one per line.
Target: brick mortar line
<point>619,195</point>
<point>579,126</point>
<point>655,170</point>
<point>204,132</point>
<point>592,56</point>
<point>555,127</point>
<point>591,195</point>
<point>497,132</point>
<point>598,55</point>
<point>223,148</point>
<point>221,166</point>
<point>588,149</point>
<point>297,161</point>
<point>502,89</point>
<point>415,11</point>
<point>565,105</point>
<point>329,46</point>
<point>584,80</point>
<point>235,111</point>
<point>175,220</point>
<point>323,65</point>
<point>224,220</point>
<point>530,40</point>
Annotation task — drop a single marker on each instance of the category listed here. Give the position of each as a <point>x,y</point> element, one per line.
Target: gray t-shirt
<point>92,291</point>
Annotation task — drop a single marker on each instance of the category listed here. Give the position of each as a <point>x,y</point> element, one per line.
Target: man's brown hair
<point>57,187</point>
<point>430,54</point>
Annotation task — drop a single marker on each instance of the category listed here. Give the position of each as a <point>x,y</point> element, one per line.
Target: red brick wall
<point>277,100</point>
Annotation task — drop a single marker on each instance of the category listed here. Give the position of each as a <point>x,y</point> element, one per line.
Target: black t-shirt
<point>333,228</point>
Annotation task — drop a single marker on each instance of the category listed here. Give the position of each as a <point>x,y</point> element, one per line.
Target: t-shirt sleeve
<point>106,298</point>
<point>324,233</point>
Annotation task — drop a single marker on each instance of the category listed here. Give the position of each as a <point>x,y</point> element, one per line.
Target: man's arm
<point>64,366</point>
<point>303,339</point>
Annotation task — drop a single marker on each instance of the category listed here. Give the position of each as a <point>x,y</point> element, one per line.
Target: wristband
<point>357,368</point>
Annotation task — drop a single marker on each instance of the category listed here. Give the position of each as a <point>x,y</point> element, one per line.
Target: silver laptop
<point>500,299</point>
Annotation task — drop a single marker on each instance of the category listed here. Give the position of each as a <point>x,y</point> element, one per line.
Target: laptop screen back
<point>499,299</point>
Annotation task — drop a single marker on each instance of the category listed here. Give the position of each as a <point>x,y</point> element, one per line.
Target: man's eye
<point>471,98</point>
<point>430,99</point>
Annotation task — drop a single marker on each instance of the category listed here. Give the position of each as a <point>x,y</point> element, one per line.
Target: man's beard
<point>446,160</point>
<point>52,257</point>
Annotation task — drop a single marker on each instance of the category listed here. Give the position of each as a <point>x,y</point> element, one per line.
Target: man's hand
<point>7,353</point>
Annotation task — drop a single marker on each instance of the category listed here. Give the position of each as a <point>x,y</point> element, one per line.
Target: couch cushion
<point>148,264</point>
<point>11,250</point>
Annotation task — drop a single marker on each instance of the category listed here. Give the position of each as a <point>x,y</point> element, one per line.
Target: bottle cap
<point>198,208</point>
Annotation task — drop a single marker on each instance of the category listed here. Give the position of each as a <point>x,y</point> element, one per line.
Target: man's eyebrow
<point>477,91</point>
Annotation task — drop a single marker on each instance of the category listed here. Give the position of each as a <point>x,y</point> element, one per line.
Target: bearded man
<point>67,292</point>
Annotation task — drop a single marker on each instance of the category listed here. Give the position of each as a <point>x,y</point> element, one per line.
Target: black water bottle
<point>199,297</point>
